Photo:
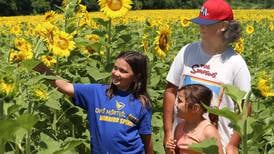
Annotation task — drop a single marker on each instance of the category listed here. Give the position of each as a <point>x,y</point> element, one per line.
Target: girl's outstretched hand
<point>43,69</point>
<point>62,85</point>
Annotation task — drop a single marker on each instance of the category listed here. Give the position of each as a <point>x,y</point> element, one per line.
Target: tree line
<point>27,7</point>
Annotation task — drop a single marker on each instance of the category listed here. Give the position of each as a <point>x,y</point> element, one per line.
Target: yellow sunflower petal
<point>115,8</point>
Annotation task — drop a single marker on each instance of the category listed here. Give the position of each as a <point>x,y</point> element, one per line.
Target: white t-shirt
<point>193,65</point>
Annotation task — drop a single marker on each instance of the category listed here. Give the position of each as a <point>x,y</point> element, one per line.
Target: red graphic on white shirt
<point>203,69</point>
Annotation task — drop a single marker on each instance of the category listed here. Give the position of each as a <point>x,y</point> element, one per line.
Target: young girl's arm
<point>61,85</point>
<point>147,141</point>
<point>211,132</point>
<point>64,87</point>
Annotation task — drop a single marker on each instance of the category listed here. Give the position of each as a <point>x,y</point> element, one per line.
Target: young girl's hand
<point>170,147</point>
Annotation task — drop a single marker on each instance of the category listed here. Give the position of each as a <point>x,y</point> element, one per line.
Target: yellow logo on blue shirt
<point>119,105</point>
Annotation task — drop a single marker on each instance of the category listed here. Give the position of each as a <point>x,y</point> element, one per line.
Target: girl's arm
<point>211,132</point>
<point>147,141</point>
<point>62,85</point>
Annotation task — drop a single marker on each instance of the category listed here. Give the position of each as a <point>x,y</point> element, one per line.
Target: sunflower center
<point>114,5</point>
<point>63,43</point>
<point>163,41</point>
<point>48,58</point>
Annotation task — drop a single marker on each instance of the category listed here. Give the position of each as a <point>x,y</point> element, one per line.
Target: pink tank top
<point>184,139</point>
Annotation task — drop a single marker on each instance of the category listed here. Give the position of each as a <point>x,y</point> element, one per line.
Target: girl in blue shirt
<point>119,114</point>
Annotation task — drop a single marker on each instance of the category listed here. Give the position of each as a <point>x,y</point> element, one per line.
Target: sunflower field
<point>80,46</point>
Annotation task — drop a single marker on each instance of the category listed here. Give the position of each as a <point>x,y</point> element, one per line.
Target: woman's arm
<point>147,141</point>
<point>169,100</point>
<point>235,139</point>
<point>232,146</point>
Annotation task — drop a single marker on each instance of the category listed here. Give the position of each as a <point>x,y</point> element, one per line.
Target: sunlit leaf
<point>96,74</point>
<point>157,119</point>
<point>70,143</point>
<point>207,146</point>
<point>225,112</point>
<point>52,145</point>
<point>25,121</point>
<point>29,64</point>
<point>235,93</point>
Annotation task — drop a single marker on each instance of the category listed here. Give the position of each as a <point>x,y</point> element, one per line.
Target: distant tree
<point>18,7</point>
<point>92,5</point>
<point>40,6</point>
<point>7,7</point>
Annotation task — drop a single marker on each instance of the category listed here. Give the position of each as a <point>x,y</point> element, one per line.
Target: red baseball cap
<point>214,11</point>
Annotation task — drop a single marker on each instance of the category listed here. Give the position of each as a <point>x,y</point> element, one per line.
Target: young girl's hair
<point>139,65</point>
<point>197,94</point>
<point>233,31</point>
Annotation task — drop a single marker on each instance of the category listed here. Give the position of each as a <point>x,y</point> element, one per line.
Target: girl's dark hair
<point>139,65</point>
<point>233,31</point>
<point>197,94</point>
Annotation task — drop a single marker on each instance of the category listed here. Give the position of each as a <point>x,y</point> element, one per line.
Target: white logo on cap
<point>204,11</point>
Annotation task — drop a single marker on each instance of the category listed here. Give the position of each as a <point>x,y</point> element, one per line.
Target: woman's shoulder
<point>233,58</point>
<point>191,46</point>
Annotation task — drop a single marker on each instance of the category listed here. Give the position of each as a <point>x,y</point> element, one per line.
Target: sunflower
<point>271,27</point>
<point>30,30</point>
<point>239,46</point>
<point>48,60</point>
<point>82,9</point>
<point>62,44</point>
<point>25,54</point>
<point>162,41</point>
<point>84,19</point>
<point>14,57</point>
<point>6,88</point>
<point>145,42</point>
<point>41,94</point>
<point>16,30</point>
<point>22,45</point>
<point>46,31</point>
<point>115,8</point>
<point>264,85</point>
<point>50,16</point>
<point>185,22</point>
<point>249,29</point>
<point>92,37</point>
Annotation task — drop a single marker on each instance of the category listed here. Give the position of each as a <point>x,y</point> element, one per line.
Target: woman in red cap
<point>210,62</point>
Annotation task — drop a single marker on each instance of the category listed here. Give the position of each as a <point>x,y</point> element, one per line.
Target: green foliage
<point>208,146</point>
<point>43,126</point>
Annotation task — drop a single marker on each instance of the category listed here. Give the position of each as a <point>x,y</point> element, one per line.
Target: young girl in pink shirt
<point>193,127</point>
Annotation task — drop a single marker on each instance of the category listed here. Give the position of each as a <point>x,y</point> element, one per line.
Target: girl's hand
<point>171,144</point>
<point>170,147</point>
<point>42,68</point>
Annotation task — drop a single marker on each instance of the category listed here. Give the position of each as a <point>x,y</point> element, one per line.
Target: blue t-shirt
<point>115,124</point>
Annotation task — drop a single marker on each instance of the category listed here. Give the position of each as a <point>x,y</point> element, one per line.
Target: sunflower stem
<point>2,147</point>
<point>1,109</point>
<point>2,143</point>
<point>37,46</point>
<point>109,42</point>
